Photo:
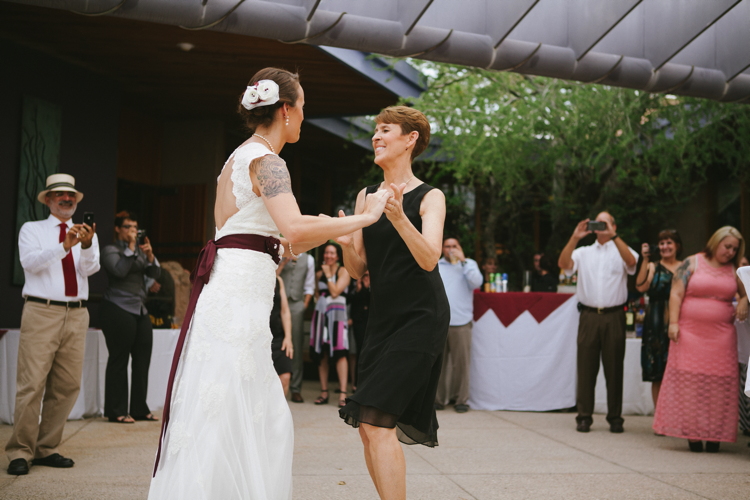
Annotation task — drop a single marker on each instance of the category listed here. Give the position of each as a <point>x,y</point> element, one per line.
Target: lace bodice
<point>252,217</point>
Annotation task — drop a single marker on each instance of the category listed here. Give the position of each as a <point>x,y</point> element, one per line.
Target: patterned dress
<point>698,398</point>
<point>655,343</point>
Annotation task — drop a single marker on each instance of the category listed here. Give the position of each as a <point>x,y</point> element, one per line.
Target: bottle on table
<point>504,283</point>
<point>630,320</point>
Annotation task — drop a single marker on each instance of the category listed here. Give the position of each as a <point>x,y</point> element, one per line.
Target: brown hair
<point>288,83</point>
<point>718,237</point>
<point>122,215</point>
<point>671,234</point>
<point>410,120</point>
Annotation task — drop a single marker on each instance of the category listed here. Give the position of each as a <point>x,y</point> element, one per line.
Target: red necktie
<point>69,268</point>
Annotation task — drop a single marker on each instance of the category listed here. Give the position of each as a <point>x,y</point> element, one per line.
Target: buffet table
<point>523,356</point>
<point>90,402</point>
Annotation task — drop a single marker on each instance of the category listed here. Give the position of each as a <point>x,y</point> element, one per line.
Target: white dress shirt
<point>602,274</point>
<point>41,255</point>
<point>460,281</point>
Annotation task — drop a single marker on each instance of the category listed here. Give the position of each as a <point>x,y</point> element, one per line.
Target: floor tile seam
<point>602,458</point>
<point>87,422</point>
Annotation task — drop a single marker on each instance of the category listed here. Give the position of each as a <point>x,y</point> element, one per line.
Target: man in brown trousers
<point>603,270</point>
<point>57,257</point>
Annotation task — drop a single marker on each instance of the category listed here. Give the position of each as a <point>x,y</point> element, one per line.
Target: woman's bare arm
<point>342,281</point>
<point>286,321</point>
<point>645,277</point>
<point>677,295</point>
<point>425,247</point>
<point>270,177</point>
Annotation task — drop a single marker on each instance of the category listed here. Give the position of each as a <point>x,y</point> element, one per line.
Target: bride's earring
<point>287,120</point>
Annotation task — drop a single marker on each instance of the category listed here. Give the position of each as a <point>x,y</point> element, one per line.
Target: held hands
<point>674,332</point>
<point>394,208</point>
<point>347,239</point>
<point>375,204</point>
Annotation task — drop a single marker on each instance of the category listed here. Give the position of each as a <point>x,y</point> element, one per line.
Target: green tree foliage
<point>558,152</point>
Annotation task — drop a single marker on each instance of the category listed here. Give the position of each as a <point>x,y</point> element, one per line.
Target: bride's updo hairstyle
<point>288,83</point>
<point>410,120</point>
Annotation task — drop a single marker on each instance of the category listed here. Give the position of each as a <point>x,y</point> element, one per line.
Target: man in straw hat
<point>57,257</point>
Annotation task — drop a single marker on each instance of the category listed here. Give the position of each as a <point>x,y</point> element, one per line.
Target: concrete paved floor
<point>482,456</point>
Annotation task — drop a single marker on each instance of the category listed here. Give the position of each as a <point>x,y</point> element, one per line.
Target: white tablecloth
<point>532,366</point>
<point>90,402</point>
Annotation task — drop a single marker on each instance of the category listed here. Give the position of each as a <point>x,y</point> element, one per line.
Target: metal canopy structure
<point>687,47</point>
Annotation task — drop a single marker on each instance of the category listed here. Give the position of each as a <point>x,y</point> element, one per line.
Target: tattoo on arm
<point>272,175</point>
<point>683,273</point>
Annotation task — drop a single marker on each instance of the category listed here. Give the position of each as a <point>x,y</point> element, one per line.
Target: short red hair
<point>410,120</point>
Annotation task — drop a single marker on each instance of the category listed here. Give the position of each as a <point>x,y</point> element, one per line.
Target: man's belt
<point>71,305</point>
<point>600,310</point>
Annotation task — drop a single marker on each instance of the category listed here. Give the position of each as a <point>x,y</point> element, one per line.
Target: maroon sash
<point>199,277</point>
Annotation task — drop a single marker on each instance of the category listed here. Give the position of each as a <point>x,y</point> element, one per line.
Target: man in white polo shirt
<point>57,257</point>
<point>461,276</point>
<point>603,270</point>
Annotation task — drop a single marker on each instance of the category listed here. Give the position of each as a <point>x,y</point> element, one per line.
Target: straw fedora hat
<point>60,182</point>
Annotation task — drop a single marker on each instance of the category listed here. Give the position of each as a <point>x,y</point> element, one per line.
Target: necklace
<point>267,142</point>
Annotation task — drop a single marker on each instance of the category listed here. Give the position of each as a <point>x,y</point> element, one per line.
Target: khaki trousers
<point>600,335</point>
<point>50,364</point>
<point>454,376</point>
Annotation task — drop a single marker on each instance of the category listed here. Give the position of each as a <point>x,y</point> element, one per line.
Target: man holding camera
<point>57,257</point>
<point>603,270</point>
<point>461,276</point>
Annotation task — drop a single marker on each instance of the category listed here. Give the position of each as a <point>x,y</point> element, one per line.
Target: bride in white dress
<point>230,433</point>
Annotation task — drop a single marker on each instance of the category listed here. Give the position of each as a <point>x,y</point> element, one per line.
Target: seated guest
<point>543,279</point>
<point>282,350</point>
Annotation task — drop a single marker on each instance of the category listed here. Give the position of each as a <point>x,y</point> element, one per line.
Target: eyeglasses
<point>60,194</point>
<point>129,226</point>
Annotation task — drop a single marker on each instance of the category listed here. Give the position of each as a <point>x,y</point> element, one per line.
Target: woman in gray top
<point>125,321</point>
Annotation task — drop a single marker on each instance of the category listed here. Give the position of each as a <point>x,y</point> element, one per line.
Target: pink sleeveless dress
<point>698,397</point>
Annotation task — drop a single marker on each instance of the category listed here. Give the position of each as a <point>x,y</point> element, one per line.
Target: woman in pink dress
<point>698,398</point>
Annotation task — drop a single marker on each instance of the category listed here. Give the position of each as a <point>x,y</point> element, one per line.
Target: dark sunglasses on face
<point>129,226</point>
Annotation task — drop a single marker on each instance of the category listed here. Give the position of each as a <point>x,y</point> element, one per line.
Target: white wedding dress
<point>230,434</point>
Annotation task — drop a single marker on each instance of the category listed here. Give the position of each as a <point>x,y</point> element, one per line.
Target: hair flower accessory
<point>262,93</point>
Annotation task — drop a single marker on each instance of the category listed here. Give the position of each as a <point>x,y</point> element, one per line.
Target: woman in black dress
<point>282,350</point>
<point>399,364</point>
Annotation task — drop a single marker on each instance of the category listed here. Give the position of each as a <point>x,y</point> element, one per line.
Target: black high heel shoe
<point>322,400</point>
<point>712,446</point>
<point>696,446</point>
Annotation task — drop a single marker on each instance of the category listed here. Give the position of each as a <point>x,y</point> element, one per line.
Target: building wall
<point>90,107</point>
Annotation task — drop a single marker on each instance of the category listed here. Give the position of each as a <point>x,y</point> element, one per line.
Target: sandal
<point>122,419</point>
<point>342,402</point>
<point>150,418</point>
<point>322,400</point>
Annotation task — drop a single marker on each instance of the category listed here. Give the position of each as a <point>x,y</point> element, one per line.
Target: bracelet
<point>292,251</point>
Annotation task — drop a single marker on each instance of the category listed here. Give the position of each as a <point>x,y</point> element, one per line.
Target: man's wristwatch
<point>615,237</point>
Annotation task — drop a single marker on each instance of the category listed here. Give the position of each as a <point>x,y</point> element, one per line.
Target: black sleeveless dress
<point>400,361</point>
<point>281,361</point>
